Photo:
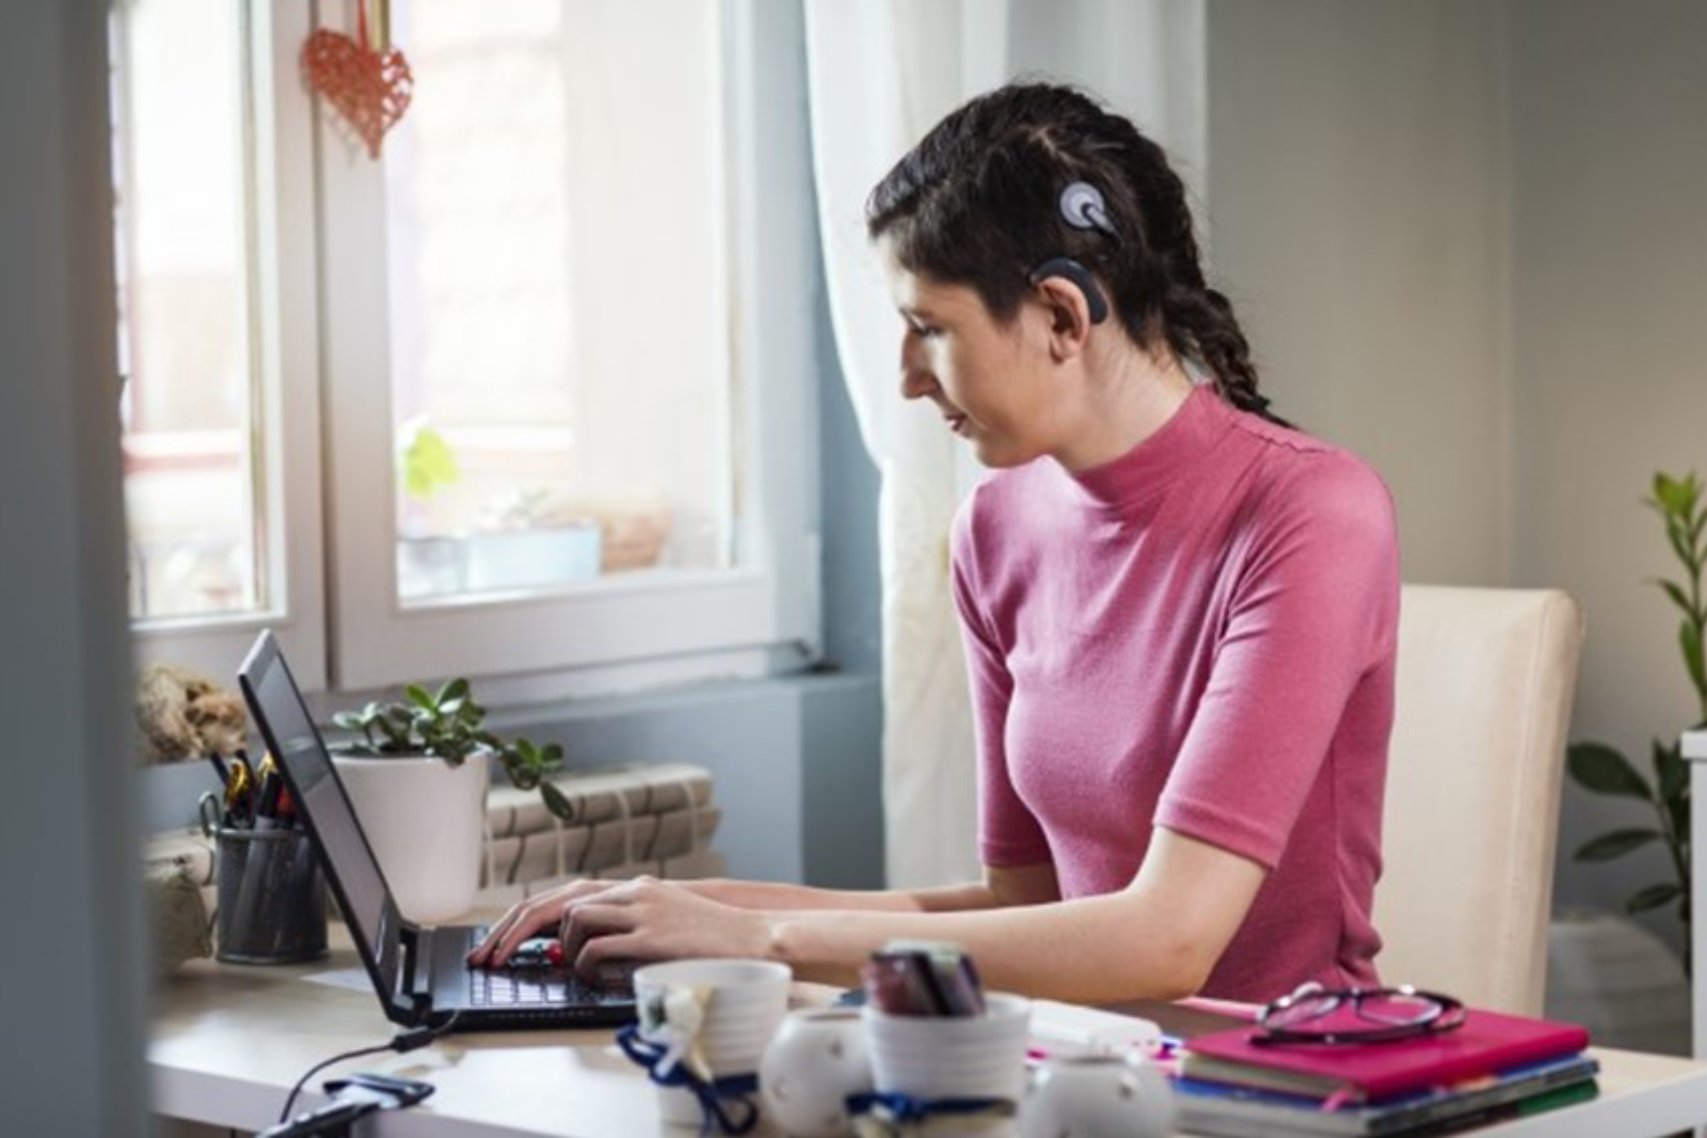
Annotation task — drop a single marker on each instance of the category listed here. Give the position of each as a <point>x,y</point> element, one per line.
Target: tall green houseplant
<point>1604,770</point>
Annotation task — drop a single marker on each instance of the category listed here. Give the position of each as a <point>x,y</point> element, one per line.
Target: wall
<point>67,818</point>
<point>1357,220</point>
<point>1610,283</point>
<point>1467,242</point>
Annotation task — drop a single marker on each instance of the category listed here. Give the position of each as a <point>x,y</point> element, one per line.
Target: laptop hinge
<point>414,979</point>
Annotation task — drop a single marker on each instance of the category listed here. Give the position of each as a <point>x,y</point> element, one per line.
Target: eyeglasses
<point>1314,1014</point>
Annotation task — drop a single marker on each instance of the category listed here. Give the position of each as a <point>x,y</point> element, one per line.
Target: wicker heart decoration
<point>370,89</point>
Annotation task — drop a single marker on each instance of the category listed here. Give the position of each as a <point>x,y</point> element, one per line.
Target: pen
<point>258,856</point>
<point>219,768</point>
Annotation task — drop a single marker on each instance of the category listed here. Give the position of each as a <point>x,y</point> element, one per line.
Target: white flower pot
<point>425,820</point>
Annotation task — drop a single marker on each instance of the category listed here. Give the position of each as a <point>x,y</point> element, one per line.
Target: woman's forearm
<point>782,898</point>
<point>1092,950</point>
<point>1159,938</point>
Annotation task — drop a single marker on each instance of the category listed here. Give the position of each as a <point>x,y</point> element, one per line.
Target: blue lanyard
<point>712,1096</point>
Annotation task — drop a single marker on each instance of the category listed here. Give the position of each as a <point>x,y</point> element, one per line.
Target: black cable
<point>290,1101</point>
<point>415,1037</point>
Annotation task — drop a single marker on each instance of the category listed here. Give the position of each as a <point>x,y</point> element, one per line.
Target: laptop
<point>420,974</point>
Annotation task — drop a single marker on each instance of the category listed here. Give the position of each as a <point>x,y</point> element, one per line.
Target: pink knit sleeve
<point>1314,609</point>
<point>1008,833</point>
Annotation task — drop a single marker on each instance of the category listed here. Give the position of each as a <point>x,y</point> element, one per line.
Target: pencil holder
<point>271,897</point>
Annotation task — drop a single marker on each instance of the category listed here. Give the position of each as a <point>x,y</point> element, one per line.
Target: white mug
<point>736,1007</point>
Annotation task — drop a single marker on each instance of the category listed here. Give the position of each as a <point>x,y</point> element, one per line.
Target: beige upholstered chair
<point>1485,681</point>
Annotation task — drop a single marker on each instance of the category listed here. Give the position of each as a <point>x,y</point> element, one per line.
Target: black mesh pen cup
<point>272,899</point>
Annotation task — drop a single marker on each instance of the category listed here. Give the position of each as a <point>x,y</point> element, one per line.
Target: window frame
<point>330,595</point>
<point>625,632</point>
<point>284,354</point>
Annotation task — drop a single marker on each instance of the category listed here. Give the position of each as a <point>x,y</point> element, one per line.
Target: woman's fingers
<point>587,920</point>
<point>593,962</point>
<point>521,925</point>
<point>525,919</point>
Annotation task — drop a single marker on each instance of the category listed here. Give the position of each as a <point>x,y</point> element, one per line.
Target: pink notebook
<point>1487,1042</point>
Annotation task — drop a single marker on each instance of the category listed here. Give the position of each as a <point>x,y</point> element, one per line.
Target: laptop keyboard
<point>532,987</point>
<point>542,986</point>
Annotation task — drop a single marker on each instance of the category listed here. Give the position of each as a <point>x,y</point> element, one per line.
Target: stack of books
<point>656,818</point>
<point>1494,1067</point>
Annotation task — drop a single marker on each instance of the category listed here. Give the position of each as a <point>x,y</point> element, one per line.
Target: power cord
<point>404,1041</point>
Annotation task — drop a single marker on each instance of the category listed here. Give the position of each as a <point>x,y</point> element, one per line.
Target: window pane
<point>558,276</point>
<point>183,270</point>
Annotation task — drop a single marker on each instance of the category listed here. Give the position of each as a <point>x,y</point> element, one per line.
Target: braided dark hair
<point>976,203</point>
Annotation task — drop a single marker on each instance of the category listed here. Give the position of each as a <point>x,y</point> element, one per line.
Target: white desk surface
<point>228,1041</point>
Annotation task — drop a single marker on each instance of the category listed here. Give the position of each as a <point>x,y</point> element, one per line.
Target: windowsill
<point>169,791</point>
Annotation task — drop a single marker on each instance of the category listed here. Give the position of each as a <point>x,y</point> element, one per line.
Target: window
<point>537,231</point>
<point>213,186</point>
<point>192,471</point>
<point>498,396</point>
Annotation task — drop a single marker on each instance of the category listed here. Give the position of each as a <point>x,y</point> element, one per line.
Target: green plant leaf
<point>1677,595</point>
<point>428,463</point>
<point>418,696</point>
<point>1615,844</point>
<point>453,689</point>
<point>556,802</point>
<point>1697,524</point>
<point>1652,897</point>
<point>1597,767</point>
<point>1680,543</point>
<point>348,720</point>
<point>1677,806</point>
<point>1671,773</point>
<point>1689,639</point>
<point>1672,495</point>
<point>1691,493</point>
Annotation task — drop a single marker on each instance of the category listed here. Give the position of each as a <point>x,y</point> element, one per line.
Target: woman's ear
<point>1068,304</point>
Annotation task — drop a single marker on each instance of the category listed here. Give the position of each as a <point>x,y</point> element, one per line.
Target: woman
<point>1179,614</point>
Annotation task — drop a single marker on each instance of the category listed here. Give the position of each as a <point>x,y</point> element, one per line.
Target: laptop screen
<point>297,747</point>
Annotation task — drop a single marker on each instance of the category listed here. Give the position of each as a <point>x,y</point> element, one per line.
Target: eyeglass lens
<point>1397,1009</point>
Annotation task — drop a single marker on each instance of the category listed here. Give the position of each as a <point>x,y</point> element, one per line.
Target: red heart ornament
<point>369,88</point>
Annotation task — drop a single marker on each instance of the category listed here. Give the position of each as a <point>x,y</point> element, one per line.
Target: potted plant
<point>416,771</point>
<point>429,562</point>
<point>531,539</point>
<point>1603,769</point>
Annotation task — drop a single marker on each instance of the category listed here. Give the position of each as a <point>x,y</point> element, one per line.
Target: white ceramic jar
<point>1097,1097</point>
<point>815,1061</point>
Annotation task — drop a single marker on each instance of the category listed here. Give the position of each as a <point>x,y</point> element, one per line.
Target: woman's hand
<point>640,919</point>
<point>541,912</point>
<point>648,919</point>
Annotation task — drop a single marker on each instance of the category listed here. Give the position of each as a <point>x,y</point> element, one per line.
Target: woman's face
<point>989,380</point>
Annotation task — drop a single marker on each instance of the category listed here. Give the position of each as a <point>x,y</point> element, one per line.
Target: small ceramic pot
<point>1097,1097</point>
<point>814,1062</point>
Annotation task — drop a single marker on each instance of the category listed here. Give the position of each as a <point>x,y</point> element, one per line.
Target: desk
<point>228,1041</point>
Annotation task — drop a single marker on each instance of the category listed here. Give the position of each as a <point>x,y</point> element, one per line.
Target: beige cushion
<point>1485,680</point>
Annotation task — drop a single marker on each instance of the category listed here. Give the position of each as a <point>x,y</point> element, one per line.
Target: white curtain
<point>881,73</point>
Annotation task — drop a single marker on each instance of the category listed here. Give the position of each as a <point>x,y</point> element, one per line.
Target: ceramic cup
<point>1097,1097</point>
<point>740,1003</point>
<point>815,1061</point>
<point>938,1057</point>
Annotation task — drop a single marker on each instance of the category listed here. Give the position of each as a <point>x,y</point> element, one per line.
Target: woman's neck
<point>1128,395</point>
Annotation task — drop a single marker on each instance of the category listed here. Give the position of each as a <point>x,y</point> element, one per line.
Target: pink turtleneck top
<point>1198,635</point>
